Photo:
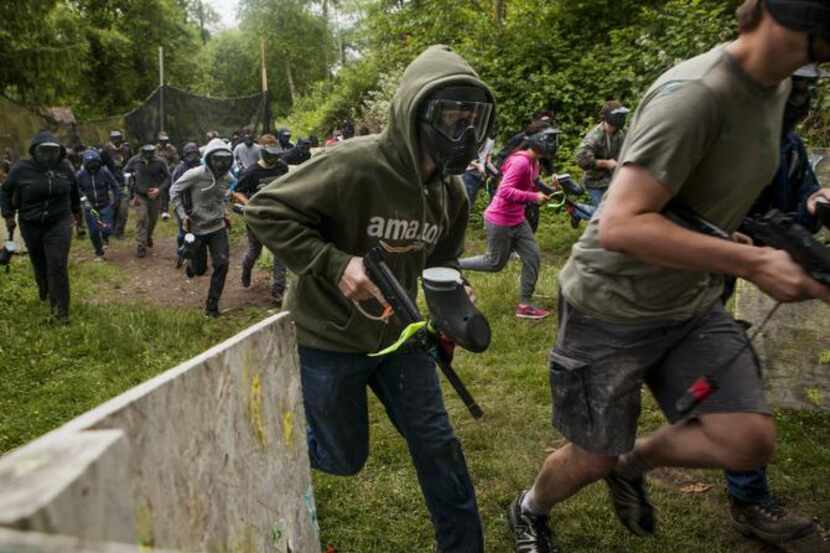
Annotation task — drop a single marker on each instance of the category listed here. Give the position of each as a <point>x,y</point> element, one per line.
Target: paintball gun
<point>453,318</point>
<point>566,198</point>
<point>776,230</point>
<point>8,251</point>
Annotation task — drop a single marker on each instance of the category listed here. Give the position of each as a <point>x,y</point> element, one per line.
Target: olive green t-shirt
<point>710,133</point>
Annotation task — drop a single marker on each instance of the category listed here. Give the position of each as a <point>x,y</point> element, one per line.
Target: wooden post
<point>262,61</point>
<point>161,89</point>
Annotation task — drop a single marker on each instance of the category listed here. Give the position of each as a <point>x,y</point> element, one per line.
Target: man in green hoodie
<point>399,190</point>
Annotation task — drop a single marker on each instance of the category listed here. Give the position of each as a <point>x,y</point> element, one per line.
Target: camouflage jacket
<point>598,145</point>
<point>169,154</point>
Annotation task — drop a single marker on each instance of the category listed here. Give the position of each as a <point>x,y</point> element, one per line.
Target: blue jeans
<point>596,195</point>
<point>583,212</point>
<point>101,228</point>
<point>472,184</point>
<point>748,486</point>
<point>334,394</point>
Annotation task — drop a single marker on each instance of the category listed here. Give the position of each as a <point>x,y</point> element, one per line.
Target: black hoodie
<point>38,194</point>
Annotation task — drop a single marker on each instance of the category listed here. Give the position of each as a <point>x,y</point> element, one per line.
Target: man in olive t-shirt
<point>640,294</point>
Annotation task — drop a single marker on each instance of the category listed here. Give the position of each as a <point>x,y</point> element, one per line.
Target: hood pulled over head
<point>436,68</point>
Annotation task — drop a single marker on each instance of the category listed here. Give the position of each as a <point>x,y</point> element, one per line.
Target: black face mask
<point>220,163</point>
<point>451,157</point>
<point>798,104</point>
<point>248,141</point>
<point>47,155</point>
<point>93,167</point>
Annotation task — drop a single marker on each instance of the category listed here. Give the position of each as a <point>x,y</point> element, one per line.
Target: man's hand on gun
<point>779,276</point>
<point>356,285</point>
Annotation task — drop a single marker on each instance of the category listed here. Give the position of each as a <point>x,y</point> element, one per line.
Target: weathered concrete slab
<point>794,348</point>
<point>217,451</point>
<point>12,541</point>
<point>74,482</point>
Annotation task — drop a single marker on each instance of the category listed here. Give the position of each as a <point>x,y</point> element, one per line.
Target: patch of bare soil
<point>154,279</point>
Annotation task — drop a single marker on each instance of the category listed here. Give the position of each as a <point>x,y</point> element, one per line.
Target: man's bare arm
<point>631,223</point>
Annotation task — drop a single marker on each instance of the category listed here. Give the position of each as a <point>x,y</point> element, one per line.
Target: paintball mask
<point>270,155</point>
<point>47,154</point>
<point>454,123</point>
<point>163,138</point>
<point>805,16</point>
<point>616,117</point>
<point>116,137</point>
<point>220,162</point>
<point>801,97</point>
<point>545,142</point>
<point>92,166</point>
<point>148,151</point>
<point>451,311</point>
<point>248,140</point>
<point>190,153</point>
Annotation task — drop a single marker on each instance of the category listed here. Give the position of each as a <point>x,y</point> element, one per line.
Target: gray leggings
<point>500,242</point>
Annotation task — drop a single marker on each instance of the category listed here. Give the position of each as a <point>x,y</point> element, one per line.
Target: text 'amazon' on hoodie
<point>368,191</point>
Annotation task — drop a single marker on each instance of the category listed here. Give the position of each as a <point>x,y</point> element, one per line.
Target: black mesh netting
<point>188,117</point>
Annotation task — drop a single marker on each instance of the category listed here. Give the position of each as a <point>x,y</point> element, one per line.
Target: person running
<point>43,191</point>
<point>150,175</point>
<point>166,151</point>
<point>400,191</point>
<point>100,193</point>
<point>268,168</point>
<point>191,157</point>
<point>641,294</point>
<point>246,153</point>
<point>505,223</point>
<point>598,152</point>
<point>203,214</point>
<point>115,155</point>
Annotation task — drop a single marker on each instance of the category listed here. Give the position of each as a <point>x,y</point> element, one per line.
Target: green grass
<point>51,374</point>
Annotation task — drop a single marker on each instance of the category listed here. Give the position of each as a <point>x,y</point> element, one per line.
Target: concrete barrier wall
<point>794,348</point>
<point>209,456</point>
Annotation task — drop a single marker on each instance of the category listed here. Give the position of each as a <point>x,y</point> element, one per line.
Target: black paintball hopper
<point>451,311</point>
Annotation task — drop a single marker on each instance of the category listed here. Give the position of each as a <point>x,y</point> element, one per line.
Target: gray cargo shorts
<point>597,369</point>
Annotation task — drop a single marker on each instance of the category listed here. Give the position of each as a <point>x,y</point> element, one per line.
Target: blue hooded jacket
<point>99,187</point>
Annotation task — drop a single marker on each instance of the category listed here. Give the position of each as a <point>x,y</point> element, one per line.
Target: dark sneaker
<point>525,311</point>
<point>212,312</point>
<point>631,504</point>
<point>179,261</point>
<point>141,251</point>
<point>769,521</point>
<point>149,242</point>
<point>246,277</point>
<point>531,533</point>
<point>188,270</point>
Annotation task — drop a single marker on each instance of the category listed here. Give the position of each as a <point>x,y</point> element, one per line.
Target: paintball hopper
<point>188,246</point>
<point>571,187</point>
<point>451,311</point>
<point>8,251</point>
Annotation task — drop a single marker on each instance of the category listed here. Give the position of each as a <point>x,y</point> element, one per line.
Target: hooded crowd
<point>642,296</point>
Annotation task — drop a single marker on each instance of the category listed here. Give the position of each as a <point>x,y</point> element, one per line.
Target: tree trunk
<point>501,12</point>
<point>292,91</point>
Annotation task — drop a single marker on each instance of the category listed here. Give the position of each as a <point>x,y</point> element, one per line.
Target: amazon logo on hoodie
<point>402,229</point>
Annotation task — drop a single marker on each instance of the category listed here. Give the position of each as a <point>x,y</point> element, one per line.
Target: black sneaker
<point>531,533</point>
<point>141,251</point>
<point>631,504</point>
<point>769,521</point>
<point>212,312</point>
<point>246,276</point>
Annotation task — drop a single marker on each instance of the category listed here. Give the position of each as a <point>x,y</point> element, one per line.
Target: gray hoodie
<point>207,194</point>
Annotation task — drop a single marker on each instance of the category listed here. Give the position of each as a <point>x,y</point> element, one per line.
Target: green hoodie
<point>365,191</point>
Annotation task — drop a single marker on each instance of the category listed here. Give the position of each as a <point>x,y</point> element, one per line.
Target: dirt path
<point>154,279</point>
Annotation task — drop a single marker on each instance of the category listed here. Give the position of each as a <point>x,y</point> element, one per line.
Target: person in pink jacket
<point>505,223</point>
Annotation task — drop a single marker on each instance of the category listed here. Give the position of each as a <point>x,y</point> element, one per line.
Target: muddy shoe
<point>140,251</point>
<point>770,522</point>
<point>631,504</point>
